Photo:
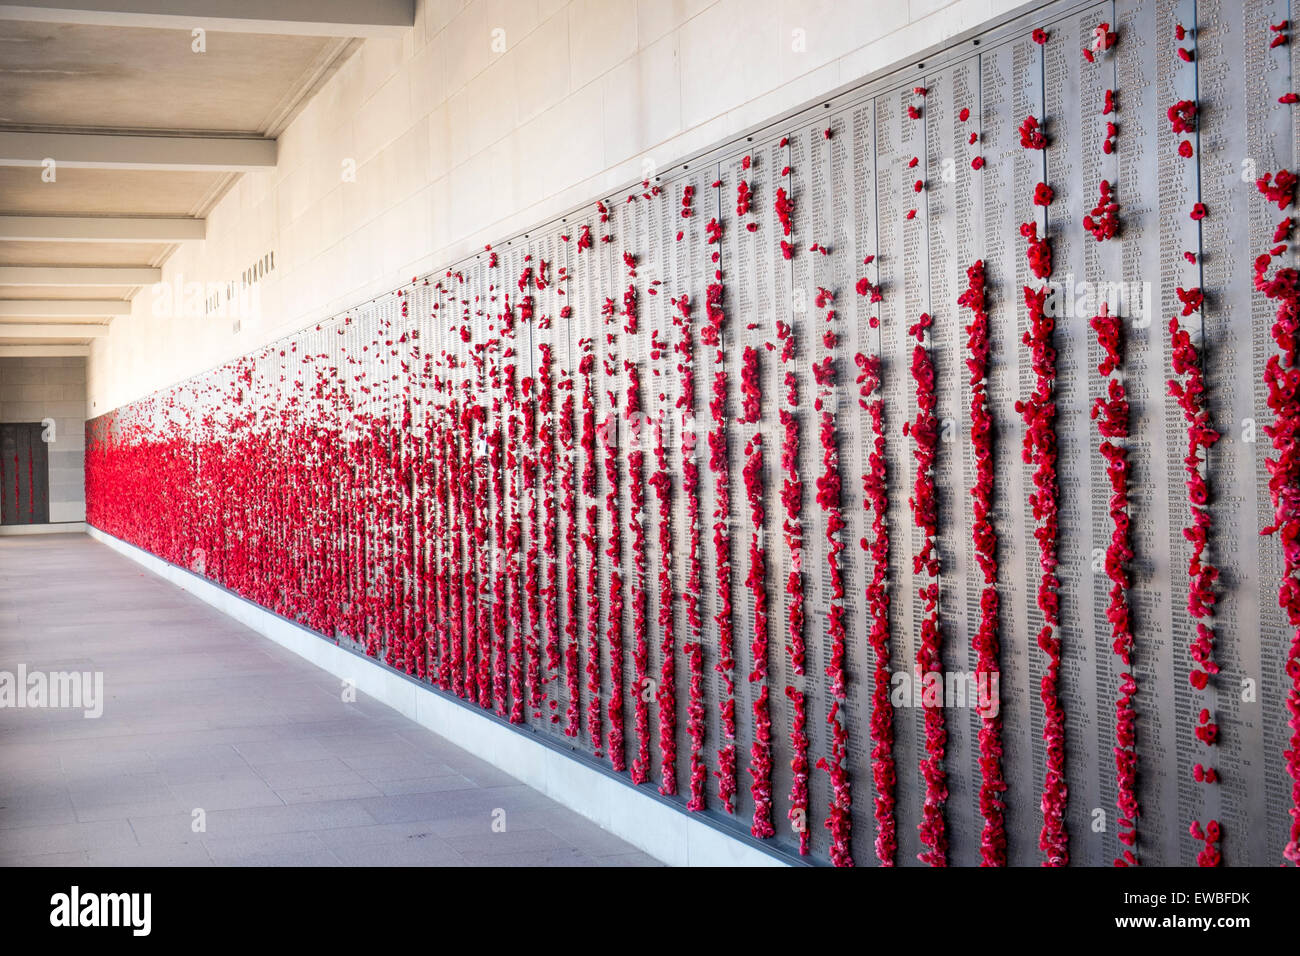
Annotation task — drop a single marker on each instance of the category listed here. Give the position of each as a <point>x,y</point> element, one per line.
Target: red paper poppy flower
<point>1031,134</point>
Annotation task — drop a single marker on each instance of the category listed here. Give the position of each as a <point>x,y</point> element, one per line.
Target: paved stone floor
<point>203,714</point>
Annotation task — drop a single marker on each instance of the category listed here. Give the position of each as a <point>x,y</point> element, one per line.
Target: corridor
<point>218,747</point>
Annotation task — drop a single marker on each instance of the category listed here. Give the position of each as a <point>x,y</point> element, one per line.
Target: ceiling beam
<point>39,330</point>
<point>64,308</point>
<point>334,18</point>
<point>99,229</point>
<point>78,275</point>
<point>42,351</point>
<point>136,151</point>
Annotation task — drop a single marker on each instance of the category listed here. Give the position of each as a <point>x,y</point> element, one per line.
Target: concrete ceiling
<point>81,253</point>
<point>147,135</point>
<point>132,78</point>
<point>107,192</point>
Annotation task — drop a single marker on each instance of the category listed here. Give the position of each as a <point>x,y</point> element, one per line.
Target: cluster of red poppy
<point>630,308</point>
<point>1182,117</point>
<point>1111,412</point>
<point>1209,854</point>
<point>1031,134</point>
<point>1202,574</point>
<point>534,641</point>
<point>1103,38</point>
<point>549,539</point>
<point>924,431</point>
<point>607,431</point>
<point>828,496</point>
<point>520,689</point>
<point>500,599</point>
<point>435,475</point>
<point>719,464</point>
<point>1109,108</point>
<point>1282,378</point>
<point>1103,221</point>
<point>792,531</point>
<point>494,662</point>
<point>876,497</point>
<point>1039,414</point>
<point>479,653</point>
<point>1189,390</point>
<point>666,694</point>
<point>640,770</point>
<point>760,767</point>
<point>1112,129</point>
<point>1039,449</point>
<point>692,648</point>
<point>798,812</point>
<point>993,839</point>
<point>839,820</point>
<point>569,509</point>
<point>742,193</point>
<point>792,500</point>
<point>513,541</point>
<point>1277,189</point>
<point>785,213</point>
<point>591,542</point>
<point>1038,250</point>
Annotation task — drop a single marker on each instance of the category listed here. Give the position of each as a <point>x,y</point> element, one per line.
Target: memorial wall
<point>886,484</point>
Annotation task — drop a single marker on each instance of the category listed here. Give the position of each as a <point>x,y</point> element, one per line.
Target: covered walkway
<point>217,746</point>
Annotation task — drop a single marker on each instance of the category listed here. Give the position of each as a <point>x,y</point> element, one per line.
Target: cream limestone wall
<point>485,118</point>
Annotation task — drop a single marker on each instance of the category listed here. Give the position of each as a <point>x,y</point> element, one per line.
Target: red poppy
<point>1103,221</point>
<point>1278,189</point>
<point>1031,134</point>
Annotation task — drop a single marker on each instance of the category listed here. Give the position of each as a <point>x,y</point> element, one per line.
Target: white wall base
<point>664,832</point>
